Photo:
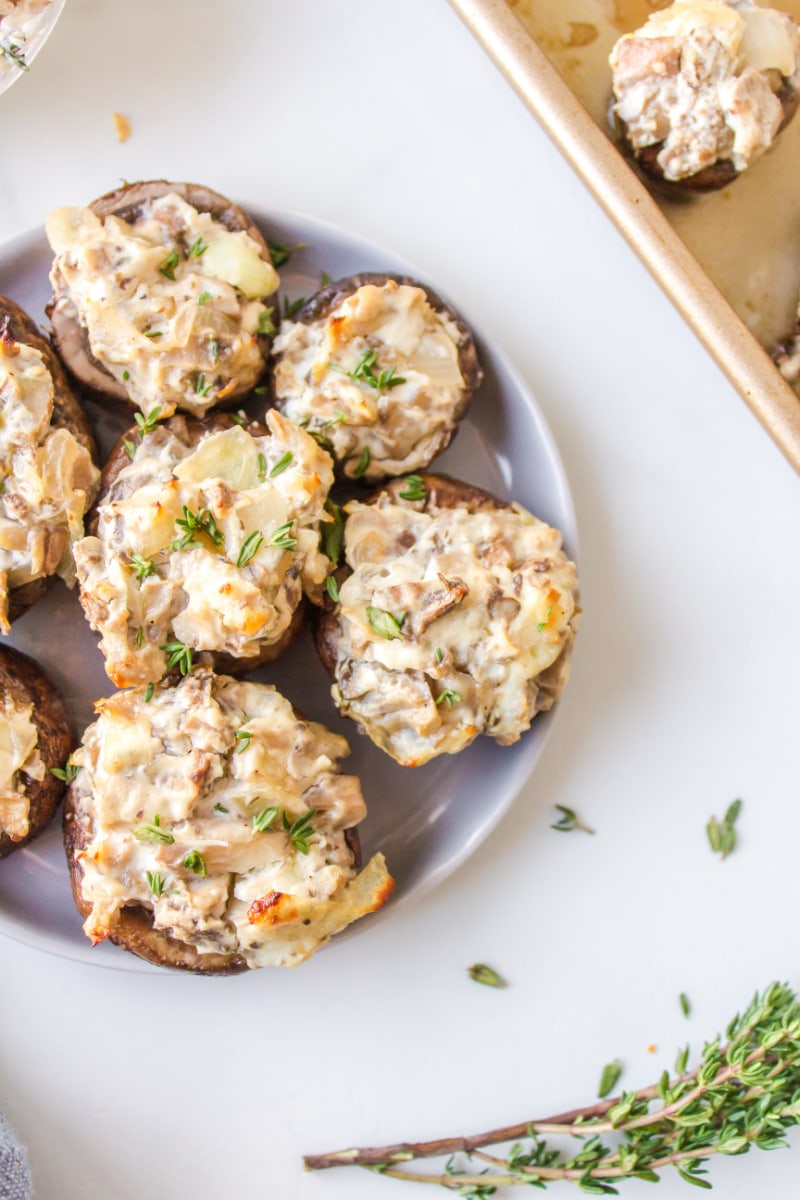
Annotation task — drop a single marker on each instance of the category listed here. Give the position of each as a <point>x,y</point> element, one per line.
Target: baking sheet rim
<point>636,215</point>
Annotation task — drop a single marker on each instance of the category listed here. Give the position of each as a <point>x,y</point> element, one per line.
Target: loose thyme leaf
<point>324,279</point>
<point>722,834</point>
<point>363,462</point>
<point>282,538</point>
<point>292,307</point>
<point>203,298</point>
<point>152,831</point>
<point>197,248</point>
<point>280,466</point>
<point>66,773</point>
<point>154,333</point>
<point>381,382</point>
<point>250,547</point>
<point>201,387</point>
<point>414,489</point>
<point>383,623</point>
<point>447,697</point>
<point>486,975</point>
<point>142,566</point>
<point>15,55</point>
<point>167,267</point>
<point>332,588</point>
<point>220,808</point>
<point>156,883</point>
<point>262,468</point>
<point>148,692</point>
<point>569,820</point>
<point>266,325</point>
<point>300,830</point>
<point>438,654</point>
<point>194,861</point>
<point>180,655</point>
<point>243,737</point>
<point>281,253</point>
<point>332,532</point>
<point>686,1007</point>
<point>609,1079</point>
<point>130,448</point>
<point>265,819</point>
<point>139,637</point>
<point>147,423</point>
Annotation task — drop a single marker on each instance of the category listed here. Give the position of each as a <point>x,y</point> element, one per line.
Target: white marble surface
<point>388,119</point>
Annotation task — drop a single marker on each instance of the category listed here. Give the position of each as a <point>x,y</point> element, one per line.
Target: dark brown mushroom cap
<point>442,493</point>
<point>712,178</point>
<point>17,326</point>
<point>127,203</point>
<point>23,681</point>
<point>328,299</point>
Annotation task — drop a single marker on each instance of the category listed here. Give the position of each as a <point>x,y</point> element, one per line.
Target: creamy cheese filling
<point>210,546</point>
<point>48,478</point>
<point>452,624</point>
<point>171,303</point>
<point>701,76</point>
<point>379,378</point>
<point>19,20</point>
<point>19,754</point>
<point>196,802</point>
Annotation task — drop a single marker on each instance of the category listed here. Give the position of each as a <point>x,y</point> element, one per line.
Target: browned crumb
<point>123,127</point>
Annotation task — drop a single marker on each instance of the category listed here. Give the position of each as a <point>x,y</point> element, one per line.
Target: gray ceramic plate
<point>426,821</point>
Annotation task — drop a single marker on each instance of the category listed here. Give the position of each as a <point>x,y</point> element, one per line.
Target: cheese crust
<point>172,301</point>
<point>206,540</point>
<point>702,79</point>
<point>456,619</point>
<point>375,370</point>
<point>47,474</point>
<point>186,805</point>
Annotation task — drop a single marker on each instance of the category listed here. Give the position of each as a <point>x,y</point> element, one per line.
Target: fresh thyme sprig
<point>744,1092</point>
<point>194,524</point>
<point>180,656</point>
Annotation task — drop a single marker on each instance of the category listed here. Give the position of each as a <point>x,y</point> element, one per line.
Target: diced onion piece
<point>231,258</point>
<point>231,455</point>
<point>768,43</point>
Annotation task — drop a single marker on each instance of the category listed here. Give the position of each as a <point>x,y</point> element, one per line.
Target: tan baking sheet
<point>745,239</point>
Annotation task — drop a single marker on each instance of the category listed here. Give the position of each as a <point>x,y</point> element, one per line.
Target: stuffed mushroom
<point>205,540</point>
<point>209,828</point>
<point>381,369</point>
<point>35,739</point>
<point>455,617</point>
<point>48,478</point>
<point>702,90</point>
<point>161,297</point>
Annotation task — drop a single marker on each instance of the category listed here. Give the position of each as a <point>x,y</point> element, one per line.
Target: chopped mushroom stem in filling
<point>235,850</point>
<point>172,303</point>
<point>379,378</point>
<point>19,753</point>
<point>203,547</point>
<point>703,77</point>
<point>452,624</point>
<point>47,477</point>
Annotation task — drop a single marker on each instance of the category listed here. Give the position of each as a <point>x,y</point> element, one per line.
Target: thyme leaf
<point>299,830</point>
<point>142,566</point>
<point>722,834</point>
<point>280,253</point>
<point>152,831</point>
<point>265,819</point>
<point>282,538</point>
<point>66,773</point>
<point>414,489</point>
<point>194,861</point>
<point>168,265</point>
<point>194,524</point>
<point>569,820</point>
<point>179,655</point>
<point>249,549</point>
<point>332,532</point>
<point>283,462</point>
<point>363,462</point>
<point>486,975</point>
<point>383,623</point>
<point>332,588</point>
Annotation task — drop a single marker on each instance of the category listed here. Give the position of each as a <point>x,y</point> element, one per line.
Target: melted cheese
<point>484,611</point>
<point>19,754</point>
<point>171,303</point>
<point>48,477</point>
<point>198,594</point>
<point>701,77</point>
<point>401,426</point>
<point>176,764</point>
